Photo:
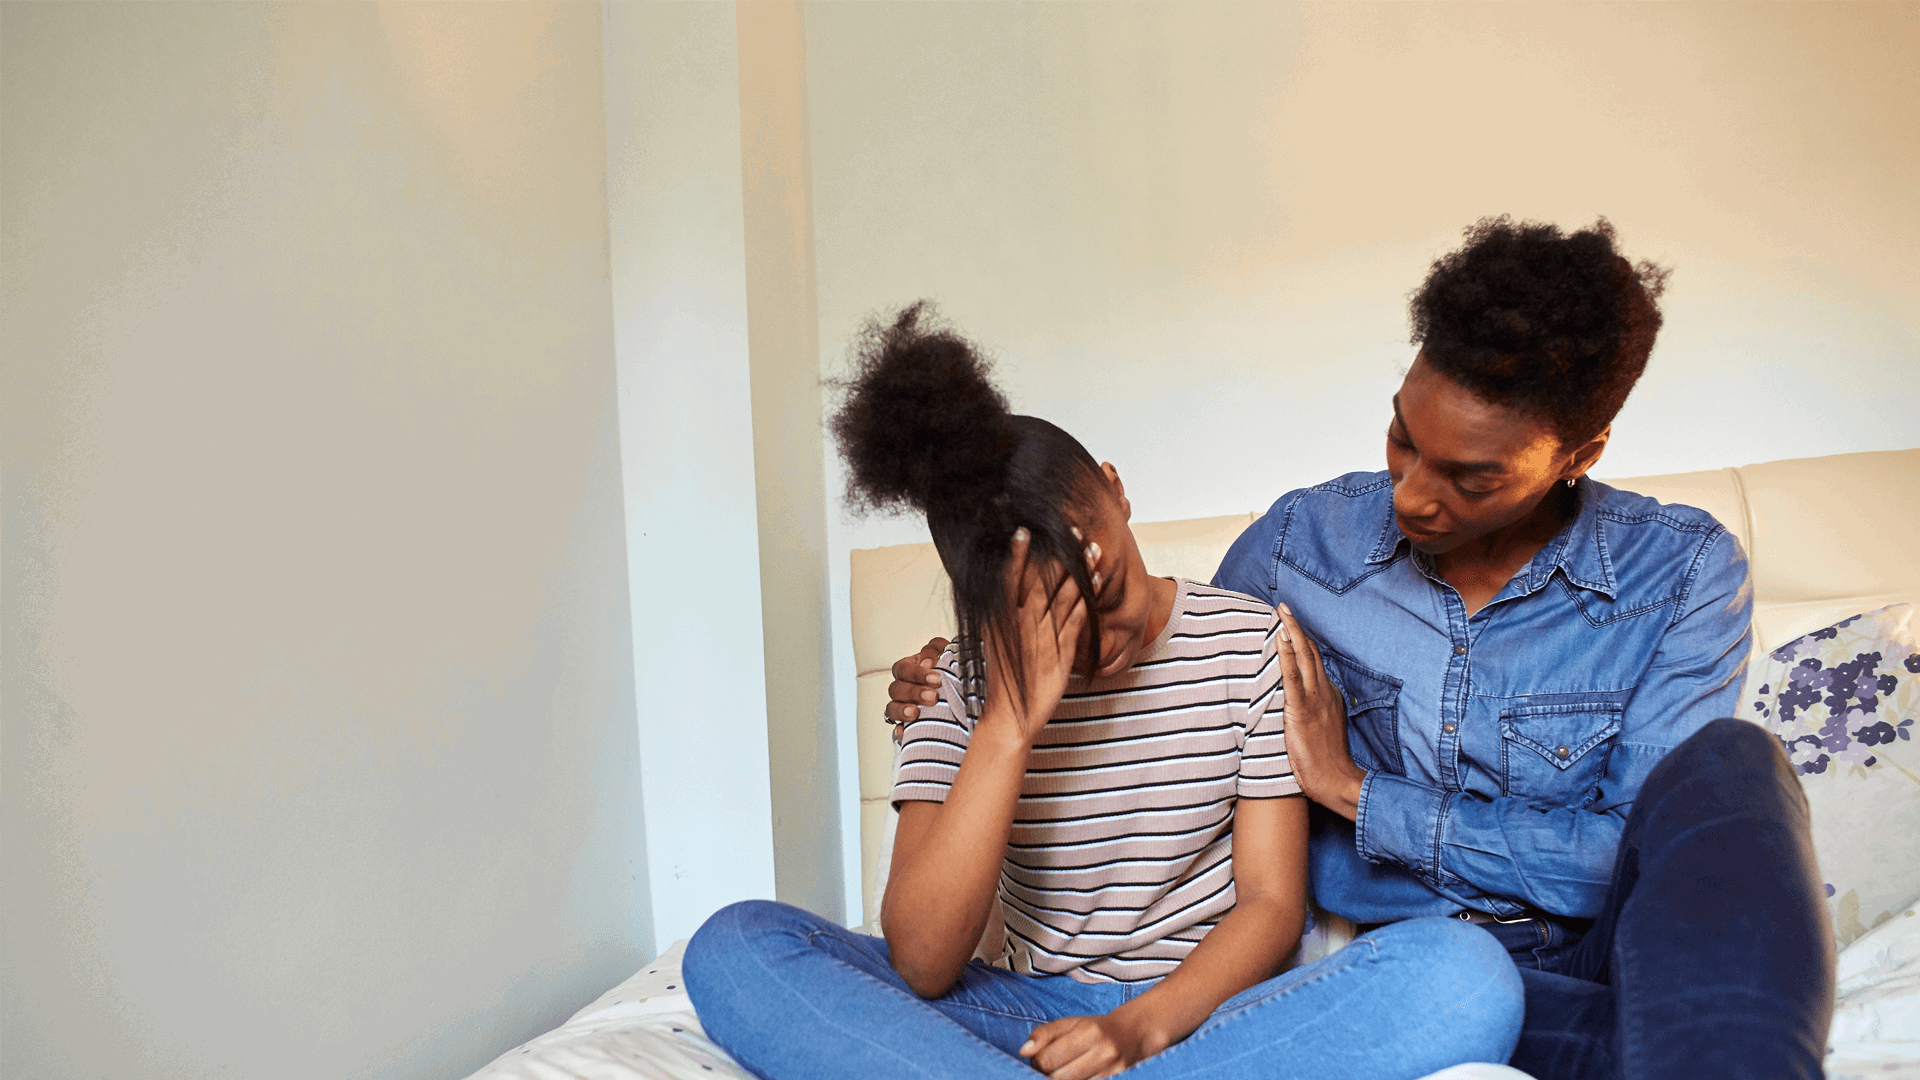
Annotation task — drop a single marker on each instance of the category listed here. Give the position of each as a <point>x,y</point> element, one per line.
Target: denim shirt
<point>1502,751</point>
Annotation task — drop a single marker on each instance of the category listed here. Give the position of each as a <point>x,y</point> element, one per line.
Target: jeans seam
<point>811,936</point>
<point>1208,1028</point>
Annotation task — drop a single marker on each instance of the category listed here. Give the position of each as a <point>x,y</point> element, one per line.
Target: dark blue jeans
<point>1711,957</point>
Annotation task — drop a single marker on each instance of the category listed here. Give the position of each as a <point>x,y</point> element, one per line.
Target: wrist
<point>1344,798</point>
<point>1150,1028</point>
<point>999,728</point>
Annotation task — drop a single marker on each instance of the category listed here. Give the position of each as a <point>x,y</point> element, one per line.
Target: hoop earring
<point>1570,481</point>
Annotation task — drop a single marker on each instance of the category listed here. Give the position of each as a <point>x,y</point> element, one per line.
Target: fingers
<point>1073,1048</point>
<point>1044,1035</point>
<point>1300,661</point>
<point>1306,640</point>
<point>1019,571</point>
<point>1067,601</point>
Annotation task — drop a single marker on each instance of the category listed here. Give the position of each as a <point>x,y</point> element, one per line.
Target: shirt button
<point>1449,728</point>
<point>1561,752</point>
<point>1459,650</point>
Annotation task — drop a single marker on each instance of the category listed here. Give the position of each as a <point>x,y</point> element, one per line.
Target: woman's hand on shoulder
<point>1090,1047</point>
<point>916,682</point>
<point>1316,720</point>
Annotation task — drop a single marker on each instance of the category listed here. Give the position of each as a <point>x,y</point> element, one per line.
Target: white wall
<point>320,756</point>
<point>687,442</point>
<point>1188,230</point>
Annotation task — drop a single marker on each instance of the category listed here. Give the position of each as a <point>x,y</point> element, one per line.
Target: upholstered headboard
<point>1827,537</point>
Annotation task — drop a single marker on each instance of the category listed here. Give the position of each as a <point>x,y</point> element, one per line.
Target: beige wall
<point>320,756</point>
<point>1188,229</point>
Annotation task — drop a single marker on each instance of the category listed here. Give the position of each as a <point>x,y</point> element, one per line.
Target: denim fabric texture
<point>1503,751</point>
<point>793,996</point>
<point>1711,957</point>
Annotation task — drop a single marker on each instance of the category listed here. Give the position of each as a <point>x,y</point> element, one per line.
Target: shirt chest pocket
<point>1373,713</point>
<point>1556,748</point>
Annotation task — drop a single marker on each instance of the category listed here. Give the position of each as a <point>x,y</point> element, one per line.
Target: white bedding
<point>645,1029</point>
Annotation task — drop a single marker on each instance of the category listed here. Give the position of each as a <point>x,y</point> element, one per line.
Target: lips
<point>1418,536</point>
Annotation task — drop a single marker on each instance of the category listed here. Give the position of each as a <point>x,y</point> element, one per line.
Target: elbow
<point>924,981</point>
<point>923,975</point>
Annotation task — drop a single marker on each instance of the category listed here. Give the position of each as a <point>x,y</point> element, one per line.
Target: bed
<point>1829,538</point>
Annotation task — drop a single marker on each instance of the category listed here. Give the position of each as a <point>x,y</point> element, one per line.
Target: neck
<point>1160,609</point>
<point>1519,541</point>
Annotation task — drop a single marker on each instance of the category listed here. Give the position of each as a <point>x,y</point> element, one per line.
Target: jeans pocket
<point>1373,713</point>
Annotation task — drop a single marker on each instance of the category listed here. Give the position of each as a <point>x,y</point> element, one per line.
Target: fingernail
<point>1075,530</point>
<point>1093,551</point>
<point>929,697</point>
<point>1286,609</point>
<point>1020,535</point>
<point>1026,1048</point>
<point>1096,581</point>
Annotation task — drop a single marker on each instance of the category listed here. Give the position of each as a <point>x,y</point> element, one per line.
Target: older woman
<point>1513,717</point>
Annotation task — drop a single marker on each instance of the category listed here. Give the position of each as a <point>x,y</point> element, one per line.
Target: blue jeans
<point>795,997</point>
<point>1711,957</point>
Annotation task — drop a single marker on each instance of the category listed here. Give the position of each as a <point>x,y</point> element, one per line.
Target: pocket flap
<point>1561,732</point>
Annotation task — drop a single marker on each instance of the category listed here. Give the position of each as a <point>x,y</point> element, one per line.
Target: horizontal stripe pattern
<point>1121,855</point>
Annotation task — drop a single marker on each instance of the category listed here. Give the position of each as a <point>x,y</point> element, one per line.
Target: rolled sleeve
<point>1400,822</point>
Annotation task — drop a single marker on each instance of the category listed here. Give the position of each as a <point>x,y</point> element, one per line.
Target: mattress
<point>645,1028</point>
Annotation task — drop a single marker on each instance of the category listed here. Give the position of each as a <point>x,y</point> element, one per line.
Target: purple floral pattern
<point>1835,697</point>
<point>1845,702</point>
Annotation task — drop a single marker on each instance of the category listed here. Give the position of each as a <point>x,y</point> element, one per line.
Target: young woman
<point>1109,783</point>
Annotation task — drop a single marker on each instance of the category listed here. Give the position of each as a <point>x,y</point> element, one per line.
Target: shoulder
<point>1313,523</point>
<point>1231,633</point>
<point>1221,609</point>
<point>1676,521</point>
<point>1338,533</point>
<point>1640,536</point>
<point>1643,553</point>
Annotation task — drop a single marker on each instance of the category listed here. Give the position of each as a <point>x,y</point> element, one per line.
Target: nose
<point>1413,496</point>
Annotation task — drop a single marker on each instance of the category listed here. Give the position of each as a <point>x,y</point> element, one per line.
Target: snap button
<point>1459,650</point>
<point>1448,728</point>
<point>1561,752</point>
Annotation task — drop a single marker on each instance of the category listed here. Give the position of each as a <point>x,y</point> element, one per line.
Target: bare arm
<point>1248,946</point>
<point>948,856</point>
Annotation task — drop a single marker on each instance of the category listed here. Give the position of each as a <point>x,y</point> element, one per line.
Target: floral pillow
<point>1845,702</point>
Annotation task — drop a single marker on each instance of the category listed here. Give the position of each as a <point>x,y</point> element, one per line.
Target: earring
<point>1570,481</point>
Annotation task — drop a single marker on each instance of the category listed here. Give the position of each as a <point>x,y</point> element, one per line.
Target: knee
<point>1736,758</point>
<point>735,930</point>
<point>1736,746</point>
<point>1461,971</point>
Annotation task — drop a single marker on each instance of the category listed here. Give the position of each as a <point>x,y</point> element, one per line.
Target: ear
<point>1587,455</point>
<point>1119,489</point>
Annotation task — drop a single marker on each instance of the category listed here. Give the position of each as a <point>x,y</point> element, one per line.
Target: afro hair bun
<point>921,421</point>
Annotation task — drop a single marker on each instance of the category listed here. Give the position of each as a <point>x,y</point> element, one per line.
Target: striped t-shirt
<point>1121,855</point>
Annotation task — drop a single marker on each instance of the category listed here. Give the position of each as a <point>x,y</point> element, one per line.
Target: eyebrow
<point>1490,467</point>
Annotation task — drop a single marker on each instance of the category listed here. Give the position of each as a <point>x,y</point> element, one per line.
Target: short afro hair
<point>1554,326</point>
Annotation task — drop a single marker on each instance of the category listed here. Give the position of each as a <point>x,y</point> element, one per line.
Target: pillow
<point>1876,1014</point>
<point>1844,701</point>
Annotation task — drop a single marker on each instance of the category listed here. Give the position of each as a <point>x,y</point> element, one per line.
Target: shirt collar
<point>1578,550</point>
